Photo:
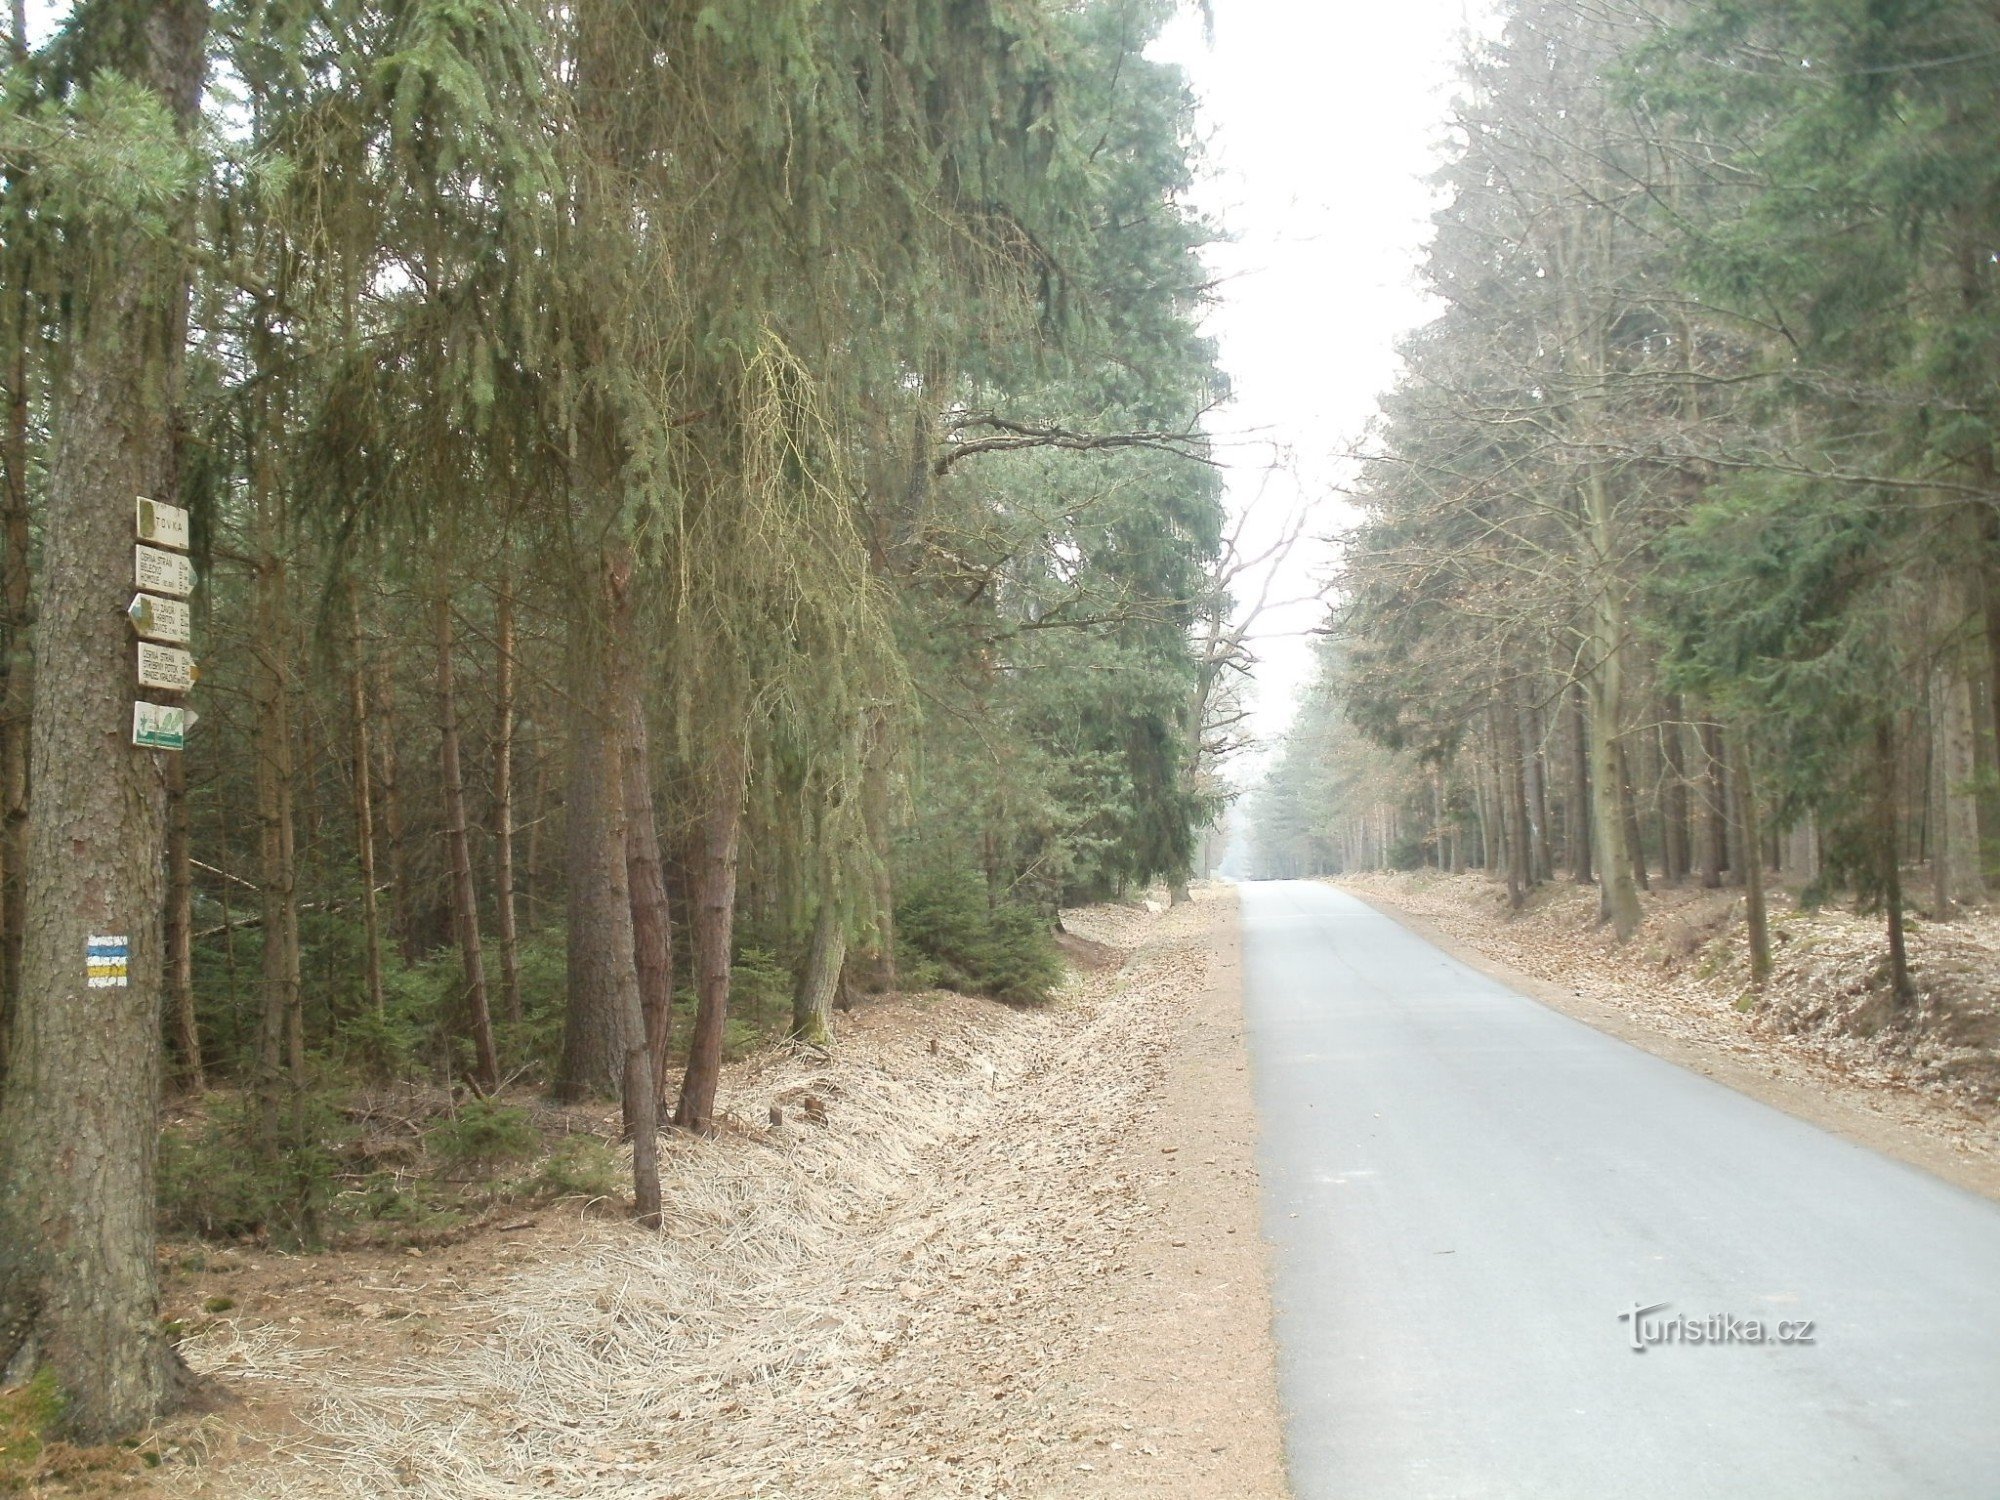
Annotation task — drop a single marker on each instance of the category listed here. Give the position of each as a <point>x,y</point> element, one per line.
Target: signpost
<point>162,572</point>
<point>159,726</point>
<point>162,524</point>
<point>161,619</point>
<point>160,615</point>
<point>165,667</point>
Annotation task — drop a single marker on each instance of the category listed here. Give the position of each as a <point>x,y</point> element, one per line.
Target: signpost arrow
<point>162,572</point>
<point>161,619</point>
<point>165,667</point>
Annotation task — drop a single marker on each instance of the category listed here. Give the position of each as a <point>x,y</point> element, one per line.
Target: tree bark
<point>1888,854</point>
<point>1628,802</point>
<point>1756,923</point>
<point>714,921</point>
<point>1578,834</point>
<point>458,849</point>
<point>1955,863</point>
<point>402,905</point>
<point>1715,824</point>
<point>79,1124</point>
<point>603,1021</point>
<point>652,928</point>
<point>280,1070</point>
<point>364,802</point>
<point>1674,796</point>
<point>819,977</point>
<point>503,801</point>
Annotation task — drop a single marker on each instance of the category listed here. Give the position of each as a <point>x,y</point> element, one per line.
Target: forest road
<point>1465,1190</point>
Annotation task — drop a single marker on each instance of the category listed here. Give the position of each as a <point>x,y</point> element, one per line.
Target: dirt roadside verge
<point>1006,1254</point>
<point>1683,1024</point>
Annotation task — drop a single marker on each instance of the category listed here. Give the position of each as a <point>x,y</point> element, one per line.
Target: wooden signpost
<point>163,622</point>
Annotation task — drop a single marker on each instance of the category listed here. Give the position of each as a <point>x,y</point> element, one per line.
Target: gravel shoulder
<point>1005,1253</point>
<point>1684,1001</point>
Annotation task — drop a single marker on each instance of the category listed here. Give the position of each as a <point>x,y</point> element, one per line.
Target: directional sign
<point>107,962</point>
<point>162,524</point>
<point>160,726</point>
<point>162,572</point>
<point>159,619</point>
<point>166,667</point>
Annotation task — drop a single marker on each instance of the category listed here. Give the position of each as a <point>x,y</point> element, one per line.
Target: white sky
<point>1324,119</point>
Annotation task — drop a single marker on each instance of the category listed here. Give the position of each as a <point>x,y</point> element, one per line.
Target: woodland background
<point>700,511</point>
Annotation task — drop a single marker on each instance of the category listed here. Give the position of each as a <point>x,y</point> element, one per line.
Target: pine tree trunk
<point>1888,853</point>
<point>714,920</point>
<point>1756,922</point>
<point>1955,861</point>
<point>17,695</point>
<point>458,849</point>
<point>1538,795</point>
<point>402,904</point>
<point>603,1021</point>
<point>364,802</point>
<point>1514,803</point>
<point>79,1123</point>
<point>819,978</point>
<point>1674,814</point>
<point>1579,796</point>
<point>652,929</point>
<point>1620,902</point>
<point>179,933</point>
<point>1628,802</point>
<point>503,802</point>
<point>1715,823</point>
<point>280,1068</point>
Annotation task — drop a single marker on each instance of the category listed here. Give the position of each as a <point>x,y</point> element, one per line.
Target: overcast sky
<point>1324,121</point>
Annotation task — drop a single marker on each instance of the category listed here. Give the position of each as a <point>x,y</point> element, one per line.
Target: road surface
<point>1465,1189</point>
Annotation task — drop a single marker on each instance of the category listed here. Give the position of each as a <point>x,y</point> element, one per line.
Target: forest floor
<point>990,1252</point>
<point>1822,1041</point>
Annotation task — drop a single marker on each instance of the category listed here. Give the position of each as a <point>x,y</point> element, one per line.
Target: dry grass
<point>880,1305</point>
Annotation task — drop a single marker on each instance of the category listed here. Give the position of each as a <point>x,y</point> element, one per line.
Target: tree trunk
<point>280,1070</point>
<point>819,977</point>
<point>1955,863</point>
<point>364,802</point>
<point>1674,796</point>
<point>1578,833</point>
<point>1715,823</point>
<point>458,849</point>
<point>17,695</point>
<point>1514,804</point>
<point>652,928</point>
<point>503,801</point>
<point>714,920</point>
<point>79,1124</point>
<point>1889,861</point>
<point>180,927</point>
<point>1620,895</point>
<point>402,904</point>
<point>1755,921</point>
<point>1628,802</point>
<point>603,1021</point>
<point>1538,795</point>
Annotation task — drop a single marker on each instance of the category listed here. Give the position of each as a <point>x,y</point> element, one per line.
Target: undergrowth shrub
<point>217,1181</point>
<point>483,1133</point>
<point>1005,950</point>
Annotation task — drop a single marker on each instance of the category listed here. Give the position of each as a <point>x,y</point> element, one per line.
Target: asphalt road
<point>1465,1189</point>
